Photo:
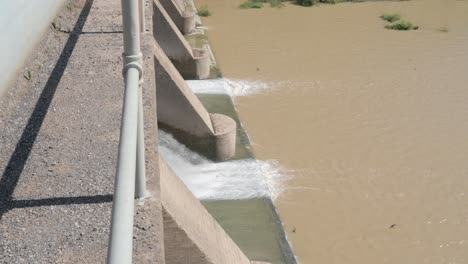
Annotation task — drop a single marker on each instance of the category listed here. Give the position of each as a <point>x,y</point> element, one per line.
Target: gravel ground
<point>58,145</point>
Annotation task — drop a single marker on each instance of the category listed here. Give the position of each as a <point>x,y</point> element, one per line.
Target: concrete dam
<point>77,149</point>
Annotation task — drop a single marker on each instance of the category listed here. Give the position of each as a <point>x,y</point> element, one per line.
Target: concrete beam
<point>192,63</point>
<point>177,105</point>
<point>181,111</point>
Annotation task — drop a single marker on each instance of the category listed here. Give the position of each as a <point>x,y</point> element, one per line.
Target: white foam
<point>238,179</point>
<point>227,86</point>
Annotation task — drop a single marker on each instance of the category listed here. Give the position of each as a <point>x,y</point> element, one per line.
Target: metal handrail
<point>130,178</point>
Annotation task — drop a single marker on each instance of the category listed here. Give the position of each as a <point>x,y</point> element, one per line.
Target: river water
<point>370,124</point>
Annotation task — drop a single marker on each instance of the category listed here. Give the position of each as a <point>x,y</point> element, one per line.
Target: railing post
<point>140,180</point>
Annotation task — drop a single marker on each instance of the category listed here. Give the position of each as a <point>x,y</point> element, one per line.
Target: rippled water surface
<point>371,123</point>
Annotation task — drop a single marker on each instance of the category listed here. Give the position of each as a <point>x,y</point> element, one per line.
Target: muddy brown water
<point>371,124</point>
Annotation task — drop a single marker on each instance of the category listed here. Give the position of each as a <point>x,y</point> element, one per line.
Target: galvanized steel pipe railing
<point>130,178</point>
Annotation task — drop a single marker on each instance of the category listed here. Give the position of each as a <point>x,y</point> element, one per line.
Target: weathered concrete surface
<point>191,63</point>
<point>105,17</point>
<point>192,236</point>
<point>180,110</point>
<point>58,151</point>
<point>183,18</point>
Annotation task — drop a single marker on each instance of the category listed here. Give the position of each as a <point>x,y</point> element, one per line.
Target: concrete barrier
<point>180,111</point>
<point>23,23</point>
<point>191,234</point>
<point>191,63</point>
<point>184,18</point>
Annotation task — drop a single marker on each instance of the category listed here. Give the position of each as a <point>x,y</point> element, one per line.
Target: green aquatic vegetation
<point>276,3</point>
<point>203,11</point>
<point>251,4</point>
<point>313,2</point>
<point>280,3</point>
<point>306,2</point>
<point>390,17</point>
<point>402,25</point>
<point>259,3</point>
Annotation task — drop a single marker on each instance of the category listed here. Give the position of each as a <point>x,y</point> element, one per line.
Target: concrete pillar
<point>183,17</point>
<point>191,63</point>
<point>225,136</point>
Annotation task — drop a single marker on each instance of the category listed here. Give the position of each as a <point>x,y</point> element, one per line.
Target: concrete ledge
<point>191,63</point>
<point>184,19</point>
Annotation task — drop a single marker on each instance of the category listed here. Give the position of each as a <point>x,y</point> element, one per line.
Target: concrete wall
<point>191,235</point>
<point>22,24</point>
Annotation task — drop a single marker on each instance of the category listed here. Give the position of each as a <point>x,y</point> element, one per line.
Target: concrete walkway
<point>59,134</point>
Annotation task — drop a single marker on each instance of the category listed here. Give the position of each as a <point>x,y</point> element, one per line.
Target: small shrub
<point>203,11</point>
<point>402,25</point>
<point>251,4</point>
<point>390,17</point>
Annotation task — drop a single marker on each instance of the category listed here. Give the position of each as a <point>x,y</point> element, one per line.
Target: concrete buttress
<point>192,63</point>
<point>180,111</point>
<point>184,17</point>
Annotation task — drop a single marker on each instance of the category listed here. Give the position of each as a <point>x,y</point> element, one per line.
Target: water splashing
<point>230,87</point>
<point>237,179</point>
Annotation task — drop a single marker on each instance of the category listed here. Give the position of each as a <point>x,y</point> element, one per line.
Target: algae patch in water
<point>400,25</point>
<point>203,11</point>
<point>390,17</point>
